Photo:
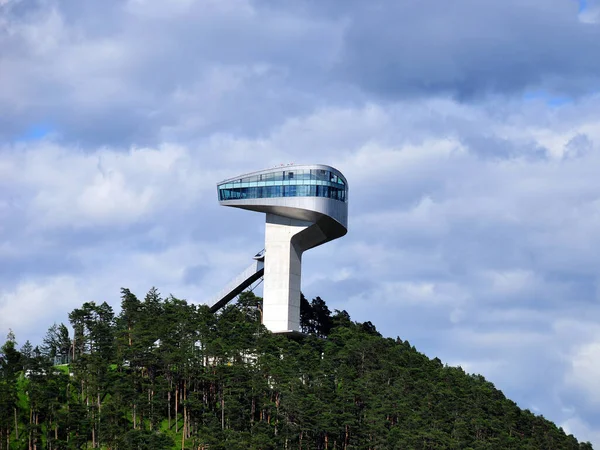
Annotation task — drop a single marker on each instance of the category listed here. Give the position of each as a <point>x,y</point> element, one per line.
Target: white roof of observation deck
<point>287,167</point>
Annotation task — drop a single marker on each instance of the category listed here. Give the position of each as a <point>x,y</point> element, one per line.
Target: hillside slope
<point>168,374</point>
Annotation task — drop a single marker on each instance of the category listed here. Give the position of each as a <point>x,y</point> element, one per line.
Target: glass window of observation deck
<point>241,193</point>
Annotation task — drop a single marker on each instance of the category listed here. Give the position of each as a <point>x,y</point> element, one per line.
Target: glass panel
<point>296,184</point>
<point>302,191</point>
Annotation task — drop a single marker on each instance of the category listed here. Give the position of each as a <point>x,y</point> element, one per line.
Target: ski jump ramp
<point>305,206</point>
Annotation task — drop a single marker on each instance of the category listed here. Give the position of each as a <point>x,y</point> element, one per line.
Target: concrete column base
<point>283,270</point>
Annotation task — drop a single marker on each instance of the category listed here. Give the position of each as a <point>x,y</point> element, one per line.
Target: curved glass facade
<point>286,183</point>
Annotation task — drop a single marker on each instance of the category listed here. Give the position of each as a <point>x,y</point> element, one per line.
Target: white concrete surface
<point>283,273</point>
<point>294,224</point>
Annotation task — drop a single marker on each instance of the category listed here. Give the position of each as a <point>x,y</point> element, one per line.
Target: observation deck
<point>305,206</point>
<point>314,193</point>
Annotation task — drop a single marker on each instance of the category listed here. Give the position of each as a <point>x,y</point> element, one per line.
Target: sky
<point>469,132</point>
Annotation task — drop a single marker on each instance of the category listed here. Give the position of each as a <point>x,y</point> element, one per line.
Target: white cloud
<point>582,430</point>
<point>33,305</point>
<point>106,187</point>
<point>511,281</point>
<point>584,371</point>
<point>156,9</point>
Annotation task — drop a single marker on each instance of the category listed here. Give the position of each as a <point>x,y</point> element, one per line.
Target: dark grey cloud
<point>244,66</point>
<point>468,48</point>
<point>153,65</point>
<point>501,148</point>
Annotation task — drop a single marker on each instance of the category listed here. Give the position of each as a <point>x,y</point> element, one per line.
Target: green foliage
<point>168,374</point>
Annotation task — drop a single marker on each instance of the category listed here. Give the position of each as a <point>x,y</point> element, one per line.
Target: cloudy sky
<point>469,132</point>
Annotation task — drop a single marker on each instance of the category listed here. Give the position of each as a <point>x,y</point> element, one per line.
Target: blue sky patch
<point>548,98</point>
<point>36,132</point>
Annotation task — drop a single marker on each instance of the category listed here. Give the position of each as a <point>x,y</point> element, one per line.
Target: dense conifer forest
<point>166,374</point>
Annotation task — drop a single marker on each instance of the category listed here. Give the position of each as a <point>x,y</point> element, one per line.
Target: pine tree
<point>168,374</point>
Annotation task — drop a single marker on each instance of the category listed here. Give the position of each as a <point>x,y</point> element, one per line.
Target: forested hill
<point>167,374</point>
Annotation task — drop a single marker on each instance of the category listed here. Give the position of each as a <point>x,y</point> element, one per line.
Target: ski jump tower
<point>305,206</point>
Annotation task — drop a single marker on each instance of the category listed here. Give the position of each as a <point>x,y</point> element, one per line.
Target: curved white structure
<point>305,206</point>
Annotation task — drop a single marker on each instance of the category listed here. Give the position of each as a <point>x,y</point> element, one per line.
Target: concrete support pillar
<point>283,269</point>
